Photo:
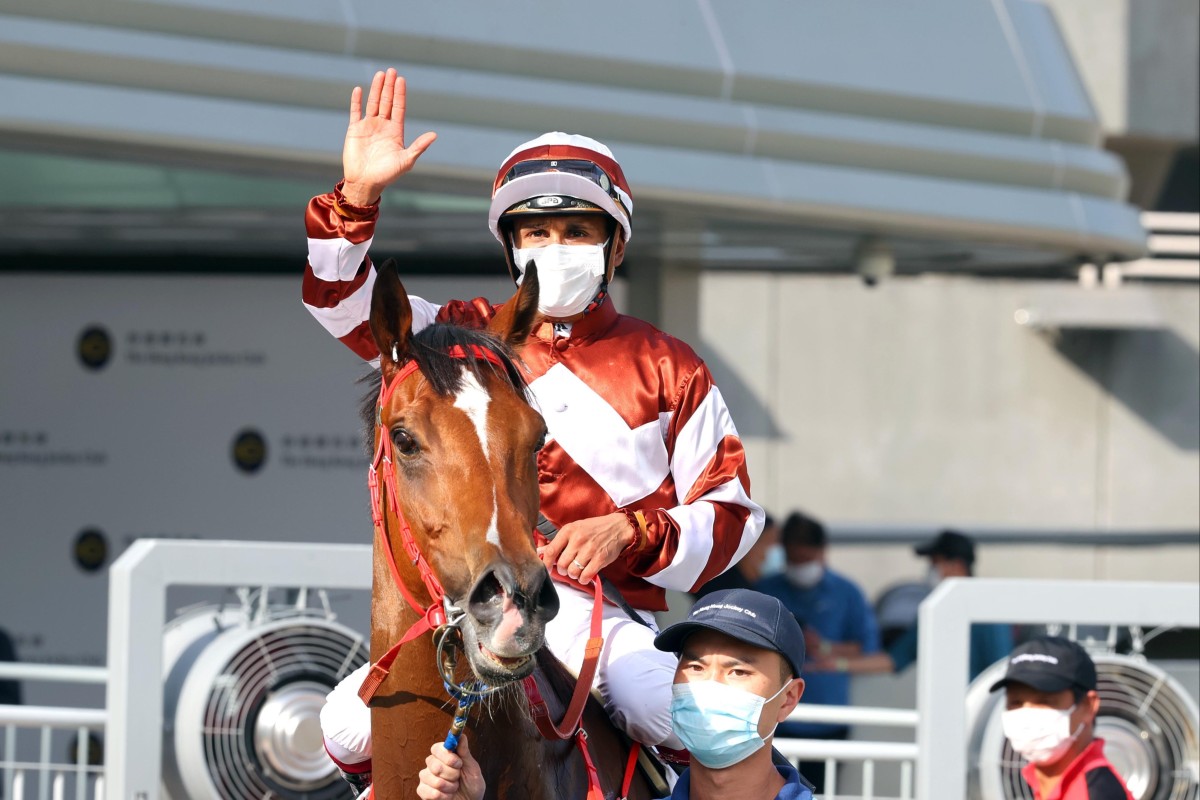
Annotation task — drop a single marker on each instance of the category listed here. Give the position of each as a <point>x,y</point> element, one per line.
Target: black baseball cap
<point>1049,664</point>
<point>746,615</point>
<point>949,544</point>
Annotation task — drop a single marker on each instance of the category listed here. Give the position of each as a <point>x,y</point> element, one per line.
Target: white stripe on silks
<point>336,259</point>
<point>750,531</point>
<point>696,522</point>
<point>698,440</point>
<point>627,463</point>
<point>424,312</point>
<point>349,313</point>
<point>695,546</point>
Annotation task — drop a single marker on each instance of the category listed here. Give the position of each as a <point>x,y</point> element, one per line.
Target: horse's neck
<point>409,711</point>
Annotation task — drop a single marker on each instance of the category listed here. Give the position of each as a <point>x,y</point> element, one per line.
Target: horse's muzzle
<point>500,587</point>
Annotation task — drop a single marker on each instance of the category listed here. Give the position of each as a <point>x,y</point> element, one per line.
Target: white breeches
<point>633,678</point>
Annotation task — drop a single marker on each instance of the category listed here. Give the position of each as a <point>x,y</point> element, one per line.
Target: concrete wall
<point>921,401</point>
<point>1139,60</point>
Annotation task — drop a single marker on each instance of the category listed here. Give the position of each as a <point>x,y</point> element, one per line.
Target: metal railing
<point>865,755</point>
<point>42,776</point>
<point>1174,245</point>
<point>133,719</point>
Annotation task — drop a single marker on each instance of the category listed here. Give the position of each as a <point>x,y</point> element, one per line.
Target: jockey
<point>643,472</point>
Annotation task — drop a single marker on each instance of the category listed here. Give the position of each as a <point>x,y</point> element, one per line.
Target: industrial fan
<point>244,688</point>
<point>1147,720</point>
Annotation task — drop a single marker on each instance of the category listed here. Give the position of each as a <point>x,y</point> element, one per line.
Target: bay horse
<point>462,444</point>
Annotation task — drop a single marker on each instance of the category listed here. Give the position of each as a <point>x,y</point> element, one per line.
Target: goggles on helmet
<point>581,167</point>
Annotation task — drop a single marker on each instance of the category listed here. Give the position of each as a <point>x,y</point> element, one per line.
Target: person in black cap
<point>738,677</point>
<point>740,654</point>
<point>951,555</point>
<point>1050,717</point>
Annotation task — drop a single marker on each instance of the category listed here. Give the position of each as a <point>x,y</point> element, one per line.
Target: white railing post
<point>82,753</point>
<point>44,764</point>
<point>10,754</point>
<point>906,780</point>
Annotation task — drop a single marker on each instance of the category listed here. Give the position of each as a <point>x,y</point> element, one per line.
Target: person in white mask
<point>839,626</point>
<point>643,472</point>
<point>736,678</point>
<point>1051,704</point>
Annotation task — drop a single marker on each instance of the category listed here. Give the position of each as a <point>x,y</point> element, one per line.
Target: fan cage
<point>281,659</point>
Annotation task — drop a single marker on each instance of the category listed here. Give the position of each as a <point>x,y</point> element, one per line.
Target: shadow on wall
<point>750,414</point>
<point>1153,372</point>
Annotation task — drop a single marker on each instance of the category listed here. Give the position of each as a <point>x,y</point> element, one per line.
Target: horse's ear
<point>391,318</point>
<point>517,317</point>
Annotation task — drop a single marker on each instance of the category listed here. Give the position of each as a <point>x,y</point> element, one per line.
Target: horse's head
<point>464,442</point>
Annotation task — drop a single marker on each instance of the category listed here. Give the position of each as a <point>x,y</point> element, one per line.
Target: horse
<point>462,444</point>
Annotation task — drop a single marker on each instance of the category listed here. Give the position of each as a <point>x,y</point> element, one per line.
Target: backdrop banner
<point>193,407</point>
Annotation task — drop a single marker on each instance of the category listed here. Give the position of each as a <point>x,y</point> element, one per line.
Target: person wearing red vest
<point>643,472</point>
<point>1051,704</point>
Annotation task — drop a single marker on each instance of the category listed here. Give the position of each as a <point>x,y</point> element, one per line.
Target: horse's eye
<point>541,442</point>
<point>404,442</point>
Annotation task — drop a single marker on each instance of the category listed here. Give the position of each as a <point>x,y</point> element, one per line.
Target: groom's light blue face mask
<point>718,723</point>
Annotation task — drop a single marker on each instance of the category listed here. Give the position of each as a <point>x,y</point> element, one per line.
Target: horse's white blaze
<point>493,532</point>
<point>474,400</point>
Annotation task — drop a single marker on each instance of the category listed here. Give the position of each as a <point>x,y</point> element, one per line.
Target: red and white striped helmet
<point>561,165</point>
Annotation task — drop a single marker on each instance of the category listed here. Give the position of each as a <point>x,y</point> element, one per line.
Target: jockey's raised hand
<point>374,155</point>
<point>451,776</point>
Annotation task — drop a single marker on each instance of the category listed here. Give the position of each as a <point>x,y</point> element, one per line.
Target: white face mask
<point>1040,735</point>
<point>933,577</point>
<point>806,575</point>
<point>569,275</point>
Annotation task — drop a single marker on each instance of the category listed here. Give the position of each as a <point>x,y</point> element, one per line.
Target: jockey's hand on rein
<point>583,548</point>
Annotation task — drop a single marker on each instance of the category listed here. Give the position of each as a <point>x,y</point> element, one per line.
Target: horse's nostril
<point>487,598</point>
<point>546,598</point>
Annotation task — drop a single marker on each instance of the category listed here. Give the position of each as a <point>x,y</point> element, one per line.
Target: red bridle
<point>433,616</point>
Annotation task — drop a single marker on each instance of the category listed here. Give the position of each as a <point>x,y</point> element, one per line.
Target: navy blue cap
<point>949,544</point>
<point>746,615</point>
<point>1049,664</point>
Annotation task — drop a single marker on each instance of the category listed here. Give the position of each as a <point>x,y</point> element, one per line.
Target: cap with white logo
<point>1049,664</point>
<point>746,615</point>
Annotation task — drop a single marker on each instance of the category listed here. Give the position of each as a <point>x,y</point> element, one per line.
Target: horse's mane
<point>430,348</point>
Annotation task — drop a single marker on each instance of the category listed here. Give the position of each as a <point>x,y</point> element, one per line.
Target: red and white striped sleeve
<point>339,276</point>
<point>715,522</point>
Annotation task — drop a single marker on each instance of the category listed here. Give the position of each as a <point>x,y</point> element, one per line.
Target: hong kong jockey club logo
<point>94,347</point>
<point>249,450</point>
<point>91,550</point>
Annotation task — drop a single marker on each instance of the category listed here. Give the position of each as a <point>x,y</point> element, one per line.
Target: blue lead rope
<point>466,699</point>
